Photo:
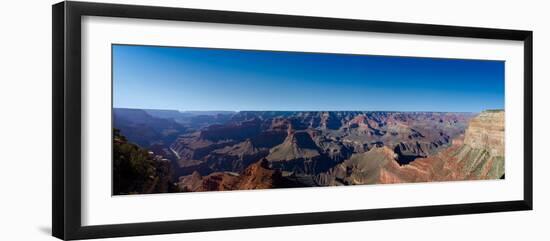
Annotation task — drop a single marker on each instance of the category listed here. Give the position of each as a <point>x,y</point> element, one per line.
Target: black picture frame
<point>66,75</point>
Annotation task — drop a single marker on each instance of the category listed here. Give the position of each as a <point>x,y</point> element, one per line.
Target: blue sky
<point>181,78</point>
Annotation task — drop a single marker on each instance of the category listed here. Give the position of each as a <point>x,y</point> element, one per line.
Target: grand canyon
<point>161,151</point>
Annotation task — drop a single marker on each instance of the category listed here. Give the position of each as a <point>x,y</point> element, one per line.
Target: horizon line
<point>237,111</point>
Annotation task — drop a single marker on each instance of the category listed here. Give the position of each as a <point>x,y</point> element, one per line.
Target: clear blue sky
<point>182,78</point>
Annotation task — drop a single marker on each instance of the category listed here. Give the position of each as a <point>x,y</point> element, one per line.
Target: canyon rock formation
<point>279,149</point>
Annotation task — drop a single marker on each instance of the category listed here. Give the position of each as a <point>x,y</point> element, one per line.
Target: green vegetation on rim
<point>135,170</point>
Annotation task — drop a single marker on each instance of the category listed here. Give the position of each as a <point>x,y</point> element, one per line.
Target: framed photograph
<point>170,120</point>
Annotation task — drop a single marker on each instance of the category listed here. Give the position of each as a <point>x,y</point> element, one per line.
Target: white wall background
<point>25,122</point>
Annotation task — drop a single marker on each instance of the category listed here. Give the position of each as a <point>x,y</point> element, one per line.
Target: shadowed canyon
<point>159,151</point>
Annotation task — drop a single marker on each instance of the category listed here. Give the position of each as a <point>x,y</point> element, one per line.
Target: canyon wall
<point>478,154</point>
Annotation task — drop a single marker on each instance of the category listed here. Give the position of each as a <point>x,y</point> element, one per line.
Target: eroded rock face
<point>479,154</point>
<point>486,131</point>
<point>255,176</point>
<point>362,168</point>
<point>297,145</point>
<point>257,150</point>
<point>310,143</point>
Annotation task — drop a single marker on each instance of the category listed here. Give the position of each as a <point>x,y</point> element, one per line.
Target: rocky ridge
<point>479,154</point>
<point>274,149</point>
